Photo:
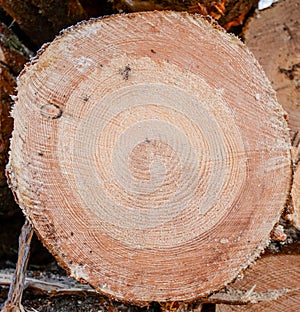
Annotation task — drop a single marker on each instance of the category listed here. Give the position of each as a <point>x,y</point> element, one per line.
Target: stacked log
<point>273,37</point>
<point>272,284</point>
<point>143,165</point>
<point>137,152</point>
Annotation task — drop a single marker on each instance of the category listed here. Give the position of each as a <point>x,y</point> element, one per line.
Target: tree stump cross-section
<point>150,154</point>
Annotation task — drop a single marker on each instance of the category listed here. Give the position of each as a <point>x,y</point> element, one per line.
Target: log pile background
<point>272,284</point>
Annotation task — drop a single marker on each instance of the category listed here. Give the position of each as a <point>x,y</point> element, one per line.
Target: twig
<point>64,286</point>
<point>13,302</point>
<point>67,286</point>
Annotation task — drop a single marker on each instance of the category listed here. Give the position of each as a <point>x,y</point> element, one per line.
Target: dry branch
<point>144,166</point>
<point>13,302</point>
<point>51,287</point>
<point>233,295</point>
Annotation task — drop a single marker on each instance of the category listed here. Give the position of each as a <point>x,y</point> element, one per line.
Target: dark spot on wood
<point>288,30</point>
<point>152,51</point>
<point>293,139</point>
<point>40,153</point>
<point>290,72</point>
<point>51,111</point>
<point>71,233</point>
<point>125,72</point>
<point>49,229</point>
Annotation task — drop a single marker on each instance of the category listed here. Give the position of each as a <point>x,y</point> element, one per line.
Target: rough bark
<point>7,85</point>
<point>13,56</point>
<point>141,162</point>
<point>41,20</point>
<point>228,13</point>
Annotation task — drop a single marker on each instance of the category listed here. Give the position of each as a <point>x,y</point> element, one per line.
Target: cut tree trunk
<point>273,36</point>
<point>150,154</point>
<point>272,285</point>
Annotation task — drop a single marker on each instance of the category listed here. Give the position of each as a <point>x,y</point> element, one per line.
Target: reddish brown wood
<point>7,85</point>
<point>272,284</point>
<point>228,13</point>
<point>273,35</point>
<point>141,161</point>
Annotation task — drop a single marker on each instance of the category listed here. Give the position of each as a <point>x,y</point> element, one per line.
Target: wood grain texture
<point>274,38</point>
<point>150,154</point>
<point>278,275</point>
